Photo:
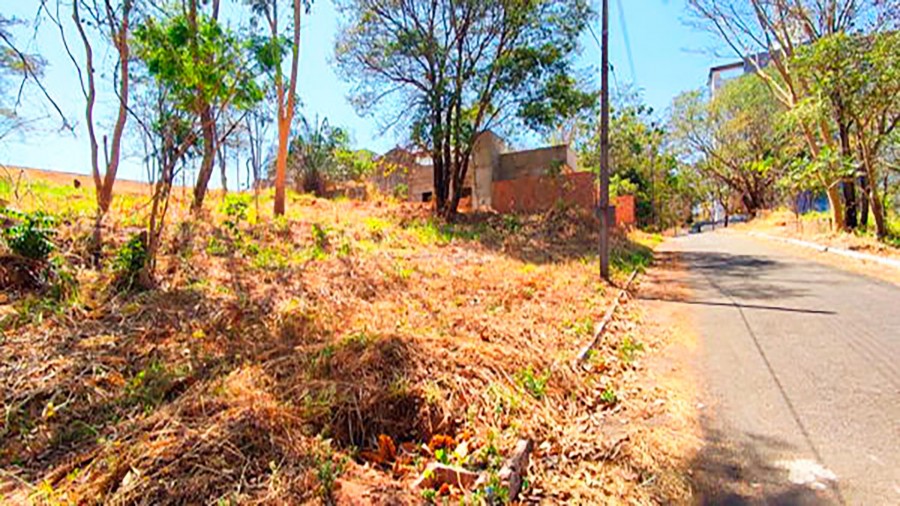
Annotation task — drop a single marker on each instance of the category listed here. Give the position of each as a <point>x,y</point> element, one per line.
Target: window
<point>427,196</point>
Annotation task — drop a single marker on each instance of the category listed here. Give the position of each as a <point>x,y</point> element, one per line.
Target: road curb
<point>607,318</point>
<point>828,249</point>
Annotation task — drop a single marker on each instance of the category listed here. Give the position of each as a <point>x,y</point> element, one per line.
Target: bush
<point>130,261</point>
<point>235,209</point>
<point>29,235</point>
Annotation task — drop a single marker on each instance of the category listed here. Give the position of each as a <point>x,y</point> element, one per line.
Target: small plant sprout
<point>629,349</point>
<point>536,386</point>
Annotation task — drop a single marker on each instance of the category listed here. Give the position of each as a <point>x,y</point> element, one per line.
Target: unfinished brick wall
<point>538,193</point>
<point>530,194</point>
<point>625,213</point>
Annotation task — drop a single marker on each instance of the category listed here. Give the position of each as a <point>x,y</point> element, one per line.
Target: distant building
<point>499,179</point>
<point>721,74</point>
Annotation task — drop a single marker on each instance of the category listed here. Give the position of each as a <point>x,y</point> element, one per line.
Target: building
<point>721,74</point>
<point>499,179</point>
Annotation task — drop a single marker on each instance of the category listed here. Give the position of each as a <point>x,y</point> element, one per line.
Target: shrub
<point>30,235</point>
<point>130,261</point>
<point>235,209</point>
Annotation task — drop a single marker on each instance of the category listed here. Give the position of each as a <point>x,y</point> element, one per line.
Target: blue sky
<point>669,57</point>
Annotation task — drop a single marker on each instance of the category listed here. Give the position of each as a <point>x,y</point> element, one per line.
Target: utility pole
<point>604,144</point>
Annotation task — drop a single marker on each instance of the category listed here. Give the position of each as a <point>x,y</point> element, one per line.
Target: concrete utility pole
<point>604,144</point>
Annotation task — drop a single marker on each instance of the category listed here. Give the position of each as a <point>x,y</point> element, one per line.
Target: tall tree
<point>735,138</point>
<point>778,28</point>
<point>207,69</point>
<point>111,22</point>
<point>452,69</point>
<point>638,153</point>
<point>271,52</point>
<point>863,73</point>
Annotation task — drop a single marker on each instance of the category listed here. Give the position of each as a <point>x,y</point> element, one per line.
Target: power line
<point>624,25</point>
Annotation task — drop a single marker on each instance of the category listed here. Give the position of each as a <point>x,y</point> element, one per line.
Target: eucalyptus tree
<point>271,50</point>
<point>448,70</point>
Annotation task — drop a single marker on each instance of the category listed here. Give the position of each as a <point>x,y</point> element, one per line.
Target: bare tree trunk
<point>208,127</point>
<point>286,109</point>
<point>284,128</point>
<point>837,208</point>
<point>223,169</point>
<point>864,191</point>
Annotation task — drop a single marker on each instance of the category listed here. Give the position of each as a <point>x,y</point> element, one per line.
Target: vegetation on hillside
<point>280,356</point>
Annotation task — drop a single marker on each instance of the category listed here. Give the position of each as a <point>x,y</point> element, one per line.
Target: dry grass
<point>276,352</point>
<point>816,229</point>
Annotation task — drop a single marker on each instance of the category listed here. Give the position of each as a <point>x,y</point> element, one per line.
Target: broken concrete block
<point>513,473</point>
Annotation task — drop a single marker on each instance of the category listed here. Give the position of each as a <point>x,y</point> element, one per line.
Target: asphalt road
<point>800,365</point>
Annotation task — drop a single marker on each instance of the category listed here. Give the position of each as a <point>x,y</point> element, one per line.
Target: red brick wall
<point>625,216</point>
<point>539,193</point>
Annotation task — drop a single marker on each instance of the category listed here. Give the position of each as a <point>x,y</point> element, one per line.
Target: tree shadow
<point>732,469</point>
<point>742,277</point>
<point>560,234</point>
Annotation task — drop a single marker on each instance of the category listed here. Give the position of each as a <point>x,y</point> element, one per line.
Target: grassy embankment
<point>275,352</point>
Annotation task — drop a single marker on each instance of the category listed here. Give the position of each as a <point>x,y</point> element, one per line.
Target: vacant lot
<point>316,358</point>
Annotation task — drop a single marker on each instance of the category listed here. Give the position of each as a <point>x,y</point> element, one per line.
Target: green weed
<point>149,387</point>
<point>536,386</point>
<point>130,260</point>
<point>328,470</point>
<point>609,397</point>
<point>629,349</point>
<point>31,234</point>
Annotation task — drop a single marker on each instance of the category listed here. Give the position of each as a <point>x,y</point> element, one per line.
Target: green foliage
<point>517,63</point>
<point>608,396</point>
<point>200,65</point>
<point>536,386</point>
<point>149,387</point>
<point>641,162</point>
<point>30,235</point>
<point>435,232</point>
<point>328,469</point>
<point>738,142</point>
<point>627,258</point>
<point>320,153</point>
<point>130,261</point>
<point>629,349</point>
<point>320,238</point>
<point>235,208</point>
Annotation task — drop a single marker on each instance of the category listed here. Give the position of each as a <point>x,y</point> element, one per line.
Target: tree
<point>27,67</point>
<point>112,22</point>
<point>863,73</point>
<point>638,155</point>
<point>271,53</point>
<point>452,69</point>
<point>735,138</point>
<point>778,28</point>
<point>207,70</point>
<point>312,156</point>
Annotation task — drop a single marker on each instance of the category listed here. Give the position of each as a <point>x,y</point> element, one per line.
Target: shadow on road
<point>742,277</point>
<point>741,306</point>
<point>737,473</point>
